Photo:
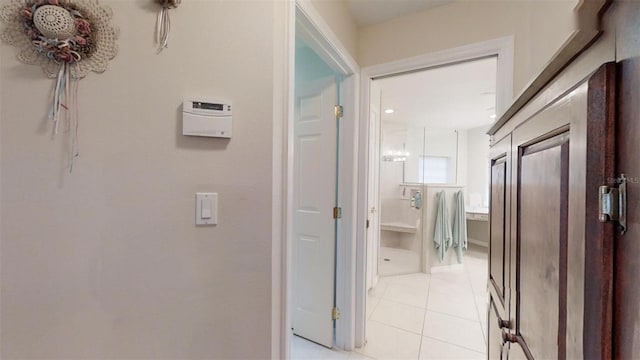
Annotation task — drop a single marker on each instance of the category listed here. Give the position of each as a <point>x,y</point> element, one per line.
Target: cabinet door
<point>563,154</point>
<point>542,246</point>
<point>497,230</point>
<point>499,239</point>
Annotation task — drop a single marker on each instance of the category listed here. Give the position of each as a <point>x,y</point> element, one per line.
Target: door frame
<point>373,222</point>
<point>501,47</point>
<point>319,36</point>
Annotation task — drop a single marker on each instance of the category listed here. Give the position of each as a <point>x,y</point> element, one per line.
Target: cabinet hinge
<point>613,203</point>
<point>337,212</point>
<point>335,313</point>
<point>339,111</point>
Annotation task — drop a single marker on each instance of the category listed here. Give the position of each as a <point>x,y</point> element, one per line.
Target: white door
<point>315,156</point>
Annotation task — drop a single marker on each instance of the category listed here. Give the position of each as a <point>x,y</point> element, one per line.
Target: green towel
<point>442,234</point>
<point>459,225</point>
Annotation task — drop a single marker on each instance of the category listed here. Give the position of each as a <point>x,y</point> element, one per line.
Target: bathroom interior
<point>432,139</point>
<point>432,143</point>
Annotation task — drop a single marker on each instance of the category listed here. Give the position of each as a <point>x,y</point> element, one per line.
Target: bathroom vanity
<point>478,226</point>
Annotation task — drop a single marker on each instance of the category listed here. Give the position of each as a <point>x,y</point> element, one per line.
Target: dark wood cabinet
<point>546,239</point>
<point>626,321</point>
<point>570,274</point>
<point>498,316</point>
<point>498,249</point>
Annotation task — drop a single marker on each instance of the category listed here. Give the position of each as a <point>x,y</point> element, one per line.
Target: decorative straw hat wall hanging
<point>68,39</point>
<point>163,23</point>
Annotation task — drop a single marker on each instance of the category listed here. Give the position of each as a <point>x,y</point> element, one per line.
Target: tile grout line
<point>397,328</point>
<point>379,298</point>
<point>373,309</point>
<point>424,317</point>
<point>401,303</point>
<point>454,344</point>
<point>455,316</point>
<point>480,317</point>
<point>473,294</point>
<point>363,354</point>
<point>428,278</point>
<point>484,335</point>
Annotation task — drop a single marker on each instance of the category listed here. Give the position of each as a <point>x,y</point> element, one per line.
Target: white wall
<point>478,164</point>
<point>336,14</point>
<point>106,262</point>
<point>539,28</point>
<point>392,137</point>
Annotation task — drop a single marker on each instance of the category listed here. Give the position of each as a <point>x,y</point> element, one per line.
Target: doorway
<point>315,196</point>
<point>321,198</point>
<point>433,200</point>
<point>426,152</point>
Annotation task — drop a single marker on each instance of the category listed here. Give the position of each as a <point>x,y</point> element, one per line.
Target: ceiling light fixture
<point>389,111</point>
<point>493,116</point>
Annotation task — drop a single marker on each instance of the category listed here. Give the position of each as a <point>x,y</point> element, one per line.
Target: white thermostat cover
<point>207,117</point>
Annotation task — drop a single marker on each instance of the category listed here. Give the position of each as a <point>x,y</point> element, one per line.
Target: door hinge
<point>613,203</point>
<point>335,313</point>
<point>339,111</point>
<point>337,212</point>
<point>367,223</point>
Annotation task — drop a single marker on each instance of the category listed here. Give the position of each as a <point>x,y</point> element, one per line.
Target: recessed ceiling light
<point>493,116</point>
<point>389,111</point>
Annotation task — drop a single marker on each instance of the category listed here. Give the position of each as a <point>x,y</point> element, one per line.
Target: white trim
<point>502,47</point>
<point>283,75</point>
<point>347,182</point>
<point>318,35</point>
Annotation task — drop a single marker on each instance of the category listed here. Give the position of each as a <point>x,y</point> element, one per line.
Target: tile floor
<point>420,316</point>
<point>398,261</point>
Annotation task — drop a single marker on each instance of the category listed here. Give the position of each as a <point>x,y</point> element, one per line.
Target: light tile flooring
<point>398,261</point>
<point>420,316</point>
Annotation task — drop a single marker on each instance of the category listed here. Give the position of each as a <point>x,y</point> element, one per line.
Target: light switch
<point>206,208</point>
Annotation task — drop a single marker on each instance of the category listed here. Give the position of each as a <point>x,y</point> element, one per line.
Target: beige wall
<point>539,28</point>
<point>336,14</point>
<point>106,262</point>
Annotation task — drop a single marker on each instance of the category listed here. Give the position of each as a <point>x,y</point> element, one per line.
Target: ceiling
<point>460,96</point>
<point>369,12</point>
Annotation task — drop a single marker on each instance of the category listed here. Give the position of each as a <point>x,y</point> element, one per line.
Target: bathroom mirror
<point>432,156</point>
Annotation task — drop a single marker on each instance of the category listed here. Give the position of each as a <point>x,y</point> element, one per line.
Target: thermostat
<point>206,117</point>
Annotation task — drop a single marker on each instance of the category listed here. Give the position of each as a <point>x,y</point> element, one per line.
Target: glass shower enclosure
<point>412,157</point>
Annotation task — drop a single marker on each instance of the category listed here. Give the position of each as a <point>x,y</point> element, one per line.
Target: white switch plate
<point>206,208</point>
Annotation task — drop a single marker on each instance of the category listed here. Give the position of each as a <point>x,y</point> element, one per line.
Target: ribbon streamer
<point>65,96</point>
<point>163,27</point>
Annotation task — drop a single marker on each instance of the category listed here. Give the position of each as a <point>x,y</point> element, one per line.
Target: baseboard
<point>478,242</point>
